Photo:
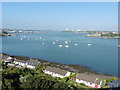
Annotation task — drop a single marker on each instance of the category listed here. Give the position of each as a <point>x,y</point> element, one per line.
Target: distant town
<point>90,33</point>
<point>8,32</point>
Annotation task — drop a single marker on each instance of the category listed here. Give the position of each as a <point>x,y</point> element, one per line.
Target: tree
<point>40,68</point>
<point>112,79</point>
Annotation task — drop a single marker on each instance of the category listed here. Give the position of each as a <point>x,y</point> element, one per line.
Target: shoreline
<point>103,37</point>
<point>70,67</point>
<point>8,35</point>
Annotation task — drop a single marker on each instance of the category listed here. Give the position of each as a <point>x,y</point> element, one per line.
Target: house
<point>56,72</point>
<point>20,62</point>
<point>7,59</point>
<point>105,32</point>
<point>89,80</point>
<point>32,64</point>
<point>114,84</point>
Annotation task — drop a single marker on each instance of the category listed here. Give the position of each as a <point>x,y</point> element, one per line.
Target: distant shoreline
<point>8,35</point>
<point>100,34</point>
<point>105,37</point>
<point>70,67</point>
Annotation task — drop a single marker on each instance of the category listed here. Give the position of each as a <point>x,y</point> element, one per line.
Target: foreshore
<point>70,67</point>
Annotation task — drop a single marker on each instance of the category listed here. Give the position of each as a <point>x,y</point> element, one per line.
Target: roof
<point>56,70</point>
<point>22,61</point>
<point>4,57</point>
<point>9,57</point>
<point>92,77</point>
<point>33,62</point>
<point>87,77</point>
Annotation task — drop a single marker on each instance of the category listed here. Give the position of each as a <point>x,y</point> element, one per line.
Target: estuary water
<point>67,48</point>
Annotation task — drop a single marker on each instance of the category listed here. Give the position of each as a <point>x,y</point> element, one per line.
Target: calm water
<point>101,56</point>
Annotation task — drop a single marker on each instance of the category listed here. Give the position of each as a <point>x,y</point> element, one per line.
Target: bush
<point>82,84</point>
<point>112,79</point>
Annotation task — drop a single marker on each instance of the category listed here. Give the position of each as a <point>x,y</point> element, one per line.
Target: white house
<point>32,64</point>
<point>56,72</point>
<point>7,59</point>
<point>89,80</point>
<point>20,62</point>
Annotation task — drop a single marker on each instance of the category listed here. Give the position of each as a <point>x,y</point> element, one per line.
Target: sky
<point>60,15</point>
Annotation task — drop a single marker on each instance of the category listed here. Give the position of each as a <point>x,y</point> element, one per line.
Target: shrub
<point>82,84</point>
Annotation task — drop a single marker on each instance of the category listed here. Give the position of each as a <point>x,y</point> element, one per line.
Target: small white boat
<point>89,44</point>
<point>28,39</point>
<point>53,42</point>
<point>67,46</point>
<point>21,38</point>
<point>76,44</point>
<point>60,45</point>
<point>88,35</point>
<point>40,38</point>
<point>66,41</point>
<point>43,43</point>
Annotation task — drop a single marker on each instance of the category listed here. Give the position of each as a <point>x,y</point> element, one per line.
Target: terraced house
<point>56,72</point>
<point>31,64</point>
<point>7,59</point>
<point>89,80</point>
<point>92,80</point>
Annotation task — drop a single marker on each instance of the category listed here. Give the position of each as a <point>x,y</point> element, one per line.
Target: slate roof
<point>92,77</point>
<point>22,61</point>
<point>4,57</point>
<point>56,70</point>
<point>86,77</point>
<point>33,62</point>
